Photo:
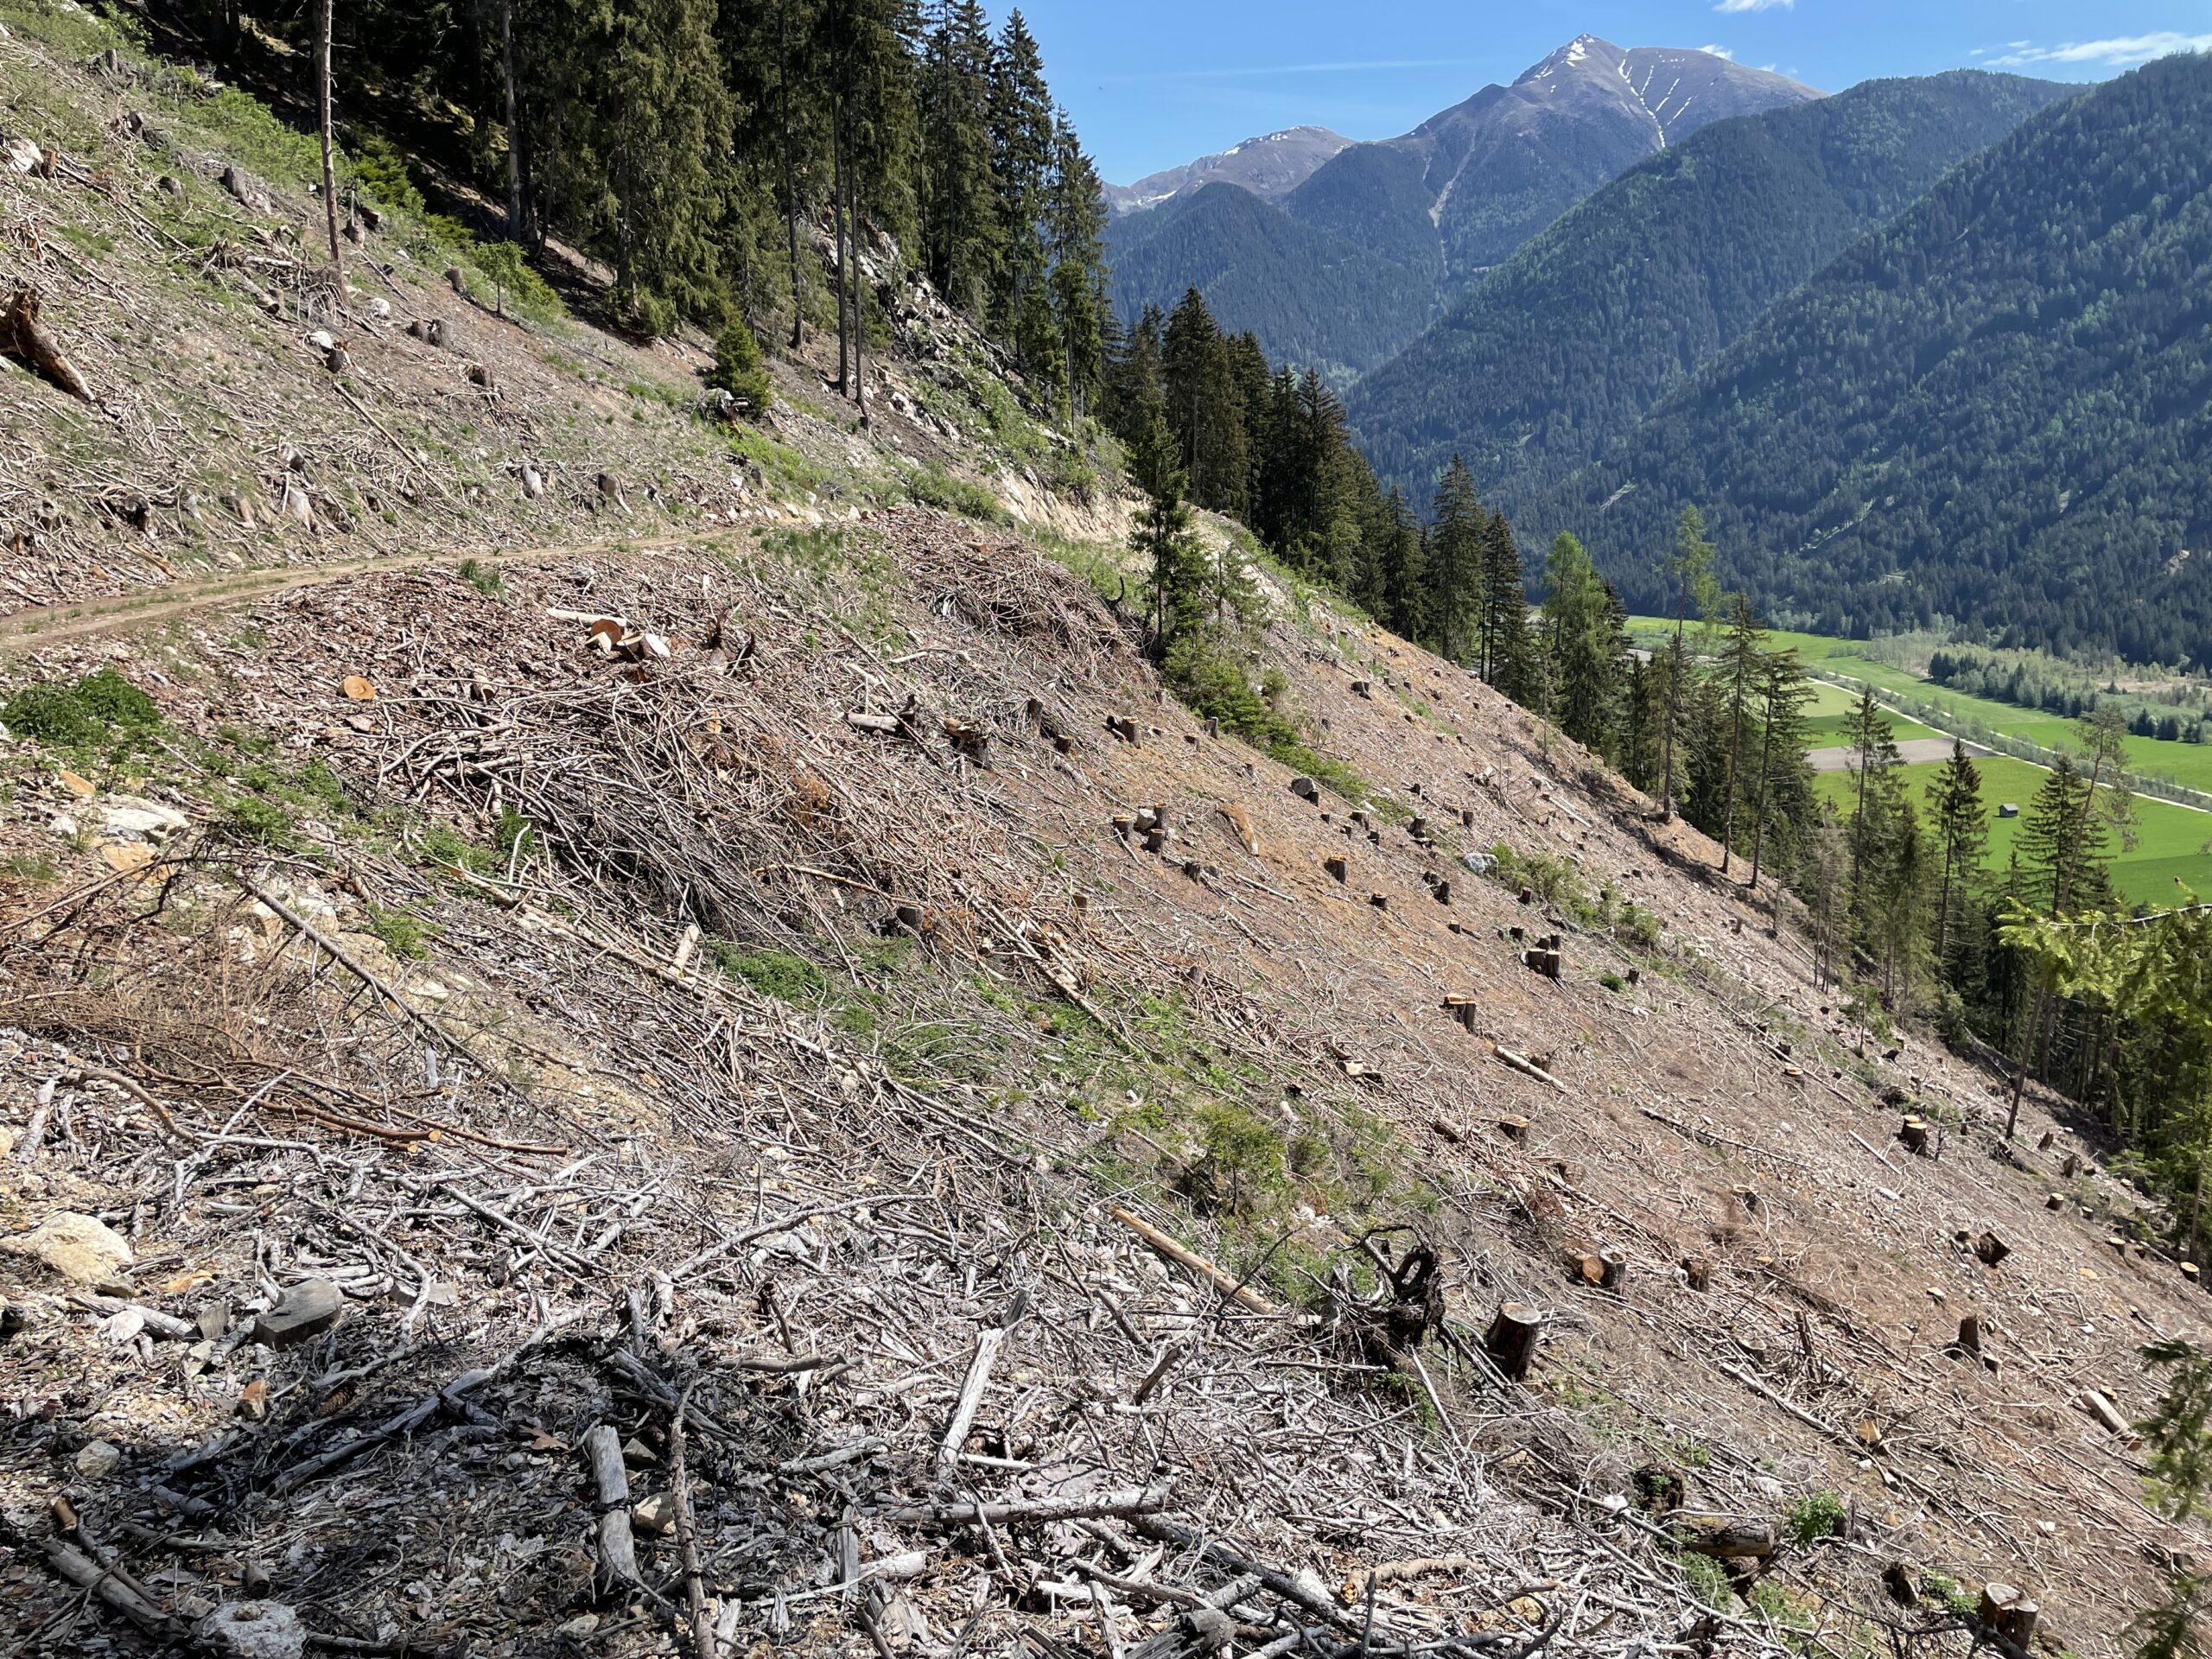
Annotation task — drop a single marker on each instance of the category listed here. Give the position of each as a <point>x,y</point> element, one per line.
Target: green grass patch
<point>102,707</point>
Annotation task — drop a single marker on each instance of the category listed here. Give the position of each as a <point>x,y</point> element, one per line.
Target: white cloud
<point>1718,51</point>
<point>2123,51</point>
<point>1751,5</point>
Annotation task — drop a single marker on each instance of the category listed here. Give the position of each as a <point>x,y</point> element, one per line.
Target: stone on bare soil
<point>97,1459</point>
<point>309,1308</point>
<point>78,1248</point>
<point>253,1629</point>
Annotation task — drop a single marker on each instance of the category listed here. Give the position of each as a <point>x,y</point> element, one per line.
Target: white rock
<point>76,1247</point>
<point>131,815</point>
<point>254,1629</point>
<point>99,1459</point>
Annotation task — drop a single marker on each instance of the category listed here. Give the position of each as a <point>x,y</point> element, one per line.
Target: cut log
<point>618,1550</point>
<point>1183,1257</point>
<point>22,339</point>
<point>1726,1537</point>
<point>1511,1340</point>
<point>2099,1405</point>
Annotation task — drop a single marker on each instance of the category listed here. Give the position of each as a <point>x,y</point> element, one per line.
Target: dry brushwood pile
<point>778,1098</point>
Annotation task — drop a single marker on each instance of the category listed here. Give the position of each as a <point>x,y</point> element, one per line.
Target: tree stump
<point>1305,789</point>
<point>2009,1612</point>
<point>1338,868</point>
<point>1511,1340</point>
<point>1914,1132</point>
<point>1697,1273</point>
<point>1123,727</point>
<point>1968,1347</point>
<point>1992,1248</point>
<point>1613,1271</point>
<point>2054,1201</point>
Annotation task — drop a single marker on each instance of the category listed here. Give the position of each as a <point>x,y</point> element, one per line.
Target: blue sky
<point>1153,83</point>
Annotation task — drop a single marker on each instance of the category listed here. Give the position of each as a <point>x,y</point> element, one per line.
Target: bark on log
<point>1511,1340</point>
<point>618,1550</point>
<point>22,339</point>
<point>1177,1253</point>
<point>1078,1507</point>
<point>1726,1537</point>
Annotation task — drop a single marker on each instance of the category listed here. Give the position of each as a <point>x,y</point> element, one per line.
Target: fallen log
<point>1080,1506</point>
<point>22,339</point>
<point>618,1549</point>
<point>1726,1537</point>
<point>1526,1067</point>
<point>1229,1286</point>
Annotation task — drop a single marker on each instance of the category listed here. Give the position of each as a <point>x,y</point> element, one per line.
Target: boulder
<point>78,1248</point>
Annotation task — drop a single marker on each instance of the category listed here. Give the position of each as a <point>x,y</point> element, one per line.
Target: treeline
<point>696,147</point>
<point>2034,680</point>
<point>1268,447</point>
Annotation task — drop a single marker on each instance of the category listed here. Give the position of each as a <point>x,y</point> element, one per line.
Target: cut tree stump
<point>1992,1248</point>
<point>1511,1340</point>
<point>1337,868</point>
<point>1914,1132</point>
<point>2009,1612</point>
<point>22,339</point>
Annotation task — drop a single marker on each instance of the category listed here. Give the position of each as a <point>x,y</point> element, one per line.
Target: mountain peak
<point>1269,166</point>
<point>1587,52</point>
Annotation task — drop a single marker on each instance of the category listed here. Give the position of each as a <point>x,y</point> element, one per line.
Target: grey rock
<point>78,1248</point>
<point>254,1629</point>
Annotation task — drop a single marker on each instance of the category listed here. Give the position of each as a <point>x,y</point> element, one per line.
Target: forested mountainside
<point>1268,166</point>
<point>1992,410</point>
<point>1309,296</point>
<point>1569,343</point>
<point>1453,197</point>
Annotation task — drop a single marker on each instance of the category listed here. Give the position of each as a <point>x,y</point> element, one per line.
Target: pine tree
<point>1508,650</point>
<point>1691,570</point>
<point>1163,539</point>
<point>1962,838</point>
<point>1740,663</point>
<point>1456,550</point>
<point>1875,796</point>
<point>1782,697</point>
<point>1583,634</point>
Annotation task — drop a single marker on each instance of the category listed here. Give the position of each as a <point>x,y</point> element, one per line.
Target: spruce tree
<point>1963,840</point>
<point>1874,795</point>
<point>1456,550</point>
<point>1582,628</point>
<point>1690,568</point>
<point>1508,650</point>
<point>1163,538</point>
<point>1782,697</point>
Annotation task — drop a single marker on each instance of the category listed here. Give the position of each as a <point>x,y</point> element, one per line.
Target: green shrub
<point>382,171</point>
<point>932,486</point>
<point>484,578</point>
<point>1814,1516</point>
<point>99,705</point>
<point>1708,1582</point>
<point>401,933</point>
<point>516,285</point>
<point>1613,981</point>
<point>738,368</point>
<point>777,974</point>
<point>256,822</point>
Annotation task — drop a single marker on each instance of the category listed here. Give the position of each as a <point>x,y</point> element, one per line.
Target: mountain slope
<point>1469,185</point>
<point>1992,410</point>
<point>1569,343</point>
<point>1267,166</point>
<point>1311,297</point>
<point>649,1095</point>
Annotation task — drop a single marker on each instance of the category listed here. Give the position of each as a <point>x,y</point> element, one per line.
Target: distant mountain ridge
<point>1269,167</point>
<point>1444,202</point>
<point>1571,341</point>
<point>1992,409</point>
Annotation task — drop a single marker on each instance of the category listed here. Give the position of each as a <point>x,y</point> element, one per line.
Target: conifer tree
<point>1690,568</point>
<point>1077,221</point>
<point>1874,795</point>
<point>1506,651</point>
<point>963,233</point>
<point>1782,697</point>
<point>1456,550</point>
<point>1962,838</point>
<point>1163,539</point>
<point>1740,665</point>
<point>1582,636</point>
